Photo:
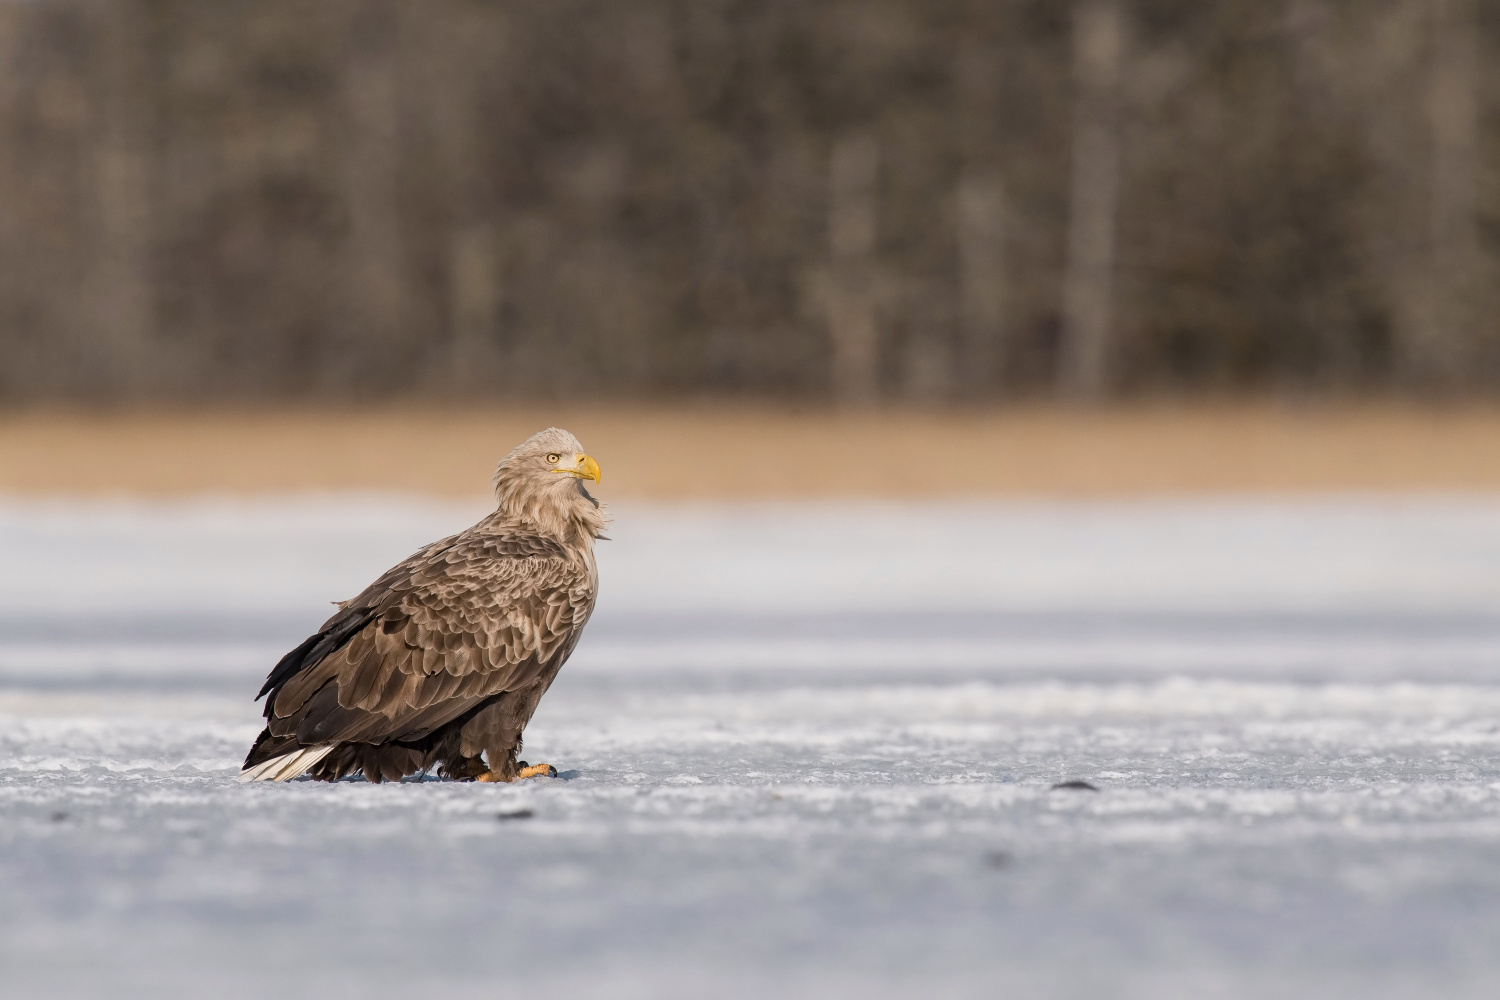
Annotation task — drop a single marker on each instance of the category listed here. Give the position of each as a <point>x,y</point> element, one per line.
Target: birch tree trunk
<point>1441,344</point>
<point>850,297</point>
<point>118,297</point>
<point>1088,284</point>
<point>473,304</point>
<point>981,252</point>
<point>376,287</point>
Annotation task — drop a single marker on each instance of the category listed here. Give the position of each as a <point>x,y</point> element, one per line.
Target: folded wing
<point>462,621</point>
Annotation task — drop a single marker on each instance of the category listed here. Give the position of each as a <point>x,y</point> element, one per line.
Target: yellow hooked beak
<point>584,467</point>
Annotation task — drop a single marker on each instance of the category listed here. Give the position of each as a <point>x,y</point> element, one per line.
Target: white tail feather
<point>287,766</point>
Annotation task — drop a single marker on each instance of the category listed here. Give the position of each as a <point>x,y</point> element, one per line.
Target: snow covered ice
<point>806,751</point>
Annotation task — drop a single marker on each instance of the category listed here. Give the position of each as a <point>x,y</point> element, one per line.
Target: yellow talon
<point>533,771</point>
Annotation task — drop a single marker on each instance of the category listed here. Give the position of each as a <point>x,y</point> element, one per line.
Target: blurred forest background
<point>876,199</point>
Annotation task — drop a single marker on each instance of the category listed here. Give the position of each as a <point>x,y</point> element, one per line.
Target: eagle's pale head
<point>541,484</point>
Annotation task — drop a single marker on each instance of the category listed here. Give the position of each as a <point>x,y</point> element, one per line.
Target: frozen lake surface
<point>806,751</point>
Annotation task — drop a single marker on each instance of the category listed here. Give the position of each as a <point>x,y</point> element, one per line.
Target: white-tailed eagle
<point>443,659</point>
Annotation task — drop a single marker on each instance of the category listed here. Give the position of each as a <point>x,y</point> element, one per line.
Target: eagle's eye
<point>553,458</point>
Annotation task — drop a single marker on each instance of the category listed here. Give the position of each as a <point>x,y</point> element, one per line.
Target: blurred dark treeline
<point>357,199</point>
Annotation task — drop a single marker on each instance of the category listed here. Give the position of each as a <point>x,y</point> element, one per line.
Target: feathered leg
<point>496,730</point>
<point>461,768</point>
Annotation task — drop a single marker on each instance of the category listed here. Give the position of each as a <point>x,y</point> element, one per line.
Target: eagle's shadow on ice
<point>417,779</point>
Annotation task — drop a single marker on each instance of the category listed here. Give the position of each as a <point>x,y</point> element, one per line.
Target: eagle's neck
<point>568,515</point>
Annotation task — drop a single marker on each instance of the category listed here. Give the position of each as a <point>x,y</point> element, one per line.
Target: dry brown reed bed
<point>748,452</point>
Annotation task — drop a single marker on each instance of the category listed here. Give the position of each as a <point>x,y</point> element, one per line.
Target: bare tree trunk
<point>1088,285</point>
<point>459,58</point>
<point>1441,344</point>
<point>850,298</point>
<point>118,298</point>
<point>982,293</point>
<point>1310,26</point>
<point>376,286</point>
<point>473,303</point>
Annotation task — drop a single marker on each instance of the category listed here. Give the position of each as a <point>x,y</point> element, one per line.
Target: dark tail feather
<point>267,747</point>
<point>385,762</point>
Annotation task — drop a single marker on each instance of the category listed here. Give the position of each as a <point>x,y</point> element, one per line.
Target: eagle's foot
<point>525,771</point>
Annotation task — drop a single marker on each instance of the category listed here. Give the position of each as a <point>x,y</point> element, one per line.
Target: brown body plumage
<point>446,655</point>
